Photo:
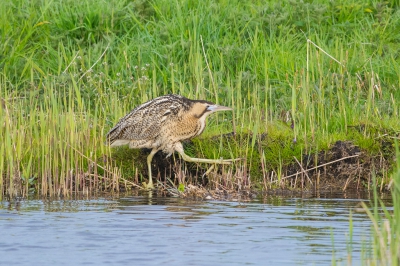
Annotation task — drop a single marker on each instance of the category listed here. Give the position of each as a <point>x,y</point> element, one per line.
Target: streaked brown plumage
<point>161,124</point>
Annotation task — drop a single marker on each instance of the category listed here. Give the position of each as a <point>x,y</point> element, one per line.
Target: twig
<point>347,183</point>
<point>322,50</point>
<point>70,63</point>
<point>302,170</point>
<point>90,69</point>
<point>313,43</point>
<point>319,166</point>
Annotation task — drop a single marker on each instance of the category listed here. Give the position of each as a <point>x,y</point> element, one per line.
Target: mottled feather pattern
<point>146,121</point>
<point>161,124</point>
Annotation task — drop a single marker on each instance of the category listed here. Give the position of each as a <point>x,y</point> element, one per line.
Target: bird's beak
<point>216,108</point>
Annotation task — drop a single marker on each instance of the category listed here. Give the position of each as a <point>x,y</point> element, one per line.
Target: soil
<point>343,166</point>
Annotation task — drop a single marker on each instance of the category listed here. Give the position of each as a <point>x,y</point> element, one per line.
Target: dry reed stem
<point>322,50</point>
<point>105,50</point>
<point>72,61</point>
<point>302,170</point>
<point>316,167</point>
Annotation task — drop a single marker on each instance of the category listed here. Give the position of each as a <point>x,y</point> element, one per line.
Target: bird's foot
<point>222,161</point>
<point>148,186</point>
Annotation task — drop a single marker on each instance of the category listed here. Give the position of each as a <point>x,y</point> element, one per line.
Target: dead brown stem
<point>316,167</point>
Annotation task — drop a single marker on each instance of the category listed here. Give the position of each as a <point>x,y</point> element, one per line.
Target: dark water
<point>169,231</point>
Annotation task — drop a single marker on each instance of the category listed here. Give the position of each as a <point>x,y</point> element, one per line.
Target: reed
<point>385,225</point>
<point>300,76</point>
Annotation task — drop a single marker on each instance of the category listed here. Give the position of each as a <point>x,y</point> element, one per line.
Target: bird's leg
<point>200,160</point>
<point>149,159</point>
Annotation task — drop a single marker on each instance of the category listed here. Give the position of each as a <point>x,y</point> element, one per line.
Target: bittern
<point>161,124</point>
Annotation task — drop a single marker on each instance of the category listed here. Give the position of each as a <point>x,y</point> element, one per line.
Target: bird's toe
<point>148,186</point>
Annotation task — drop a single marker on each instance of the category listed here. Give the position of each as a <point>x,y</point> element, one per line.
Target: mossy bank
<point>275,162</point>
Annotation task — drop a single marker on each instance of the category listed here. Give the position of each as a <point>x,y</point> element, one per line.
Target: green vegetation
<point>302,73</point>
<point>386,227</point>
<point>384,245</point>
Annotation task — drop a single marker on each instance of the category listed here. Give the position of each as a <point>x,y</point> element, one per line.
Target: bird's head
<point>204,108</point>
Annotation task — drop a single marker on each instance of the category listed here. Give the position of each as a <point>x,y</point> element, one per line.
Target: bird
<point>162,124</point>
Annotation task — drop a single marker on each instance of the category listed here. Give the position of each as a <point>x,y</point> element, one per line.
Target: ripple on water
<point>154,231</point>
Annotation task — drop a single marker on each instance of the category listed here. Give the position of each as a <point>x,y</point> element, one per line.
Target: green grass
<point>69,70</point>
<point>383,246</point>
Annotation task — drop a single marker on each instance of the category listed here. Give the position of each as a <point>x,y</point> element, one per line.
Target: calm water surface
<point>144,230</point>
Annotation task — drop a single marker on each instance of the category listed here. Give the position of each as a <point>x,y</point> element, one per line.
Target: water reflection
<point>149,230</point>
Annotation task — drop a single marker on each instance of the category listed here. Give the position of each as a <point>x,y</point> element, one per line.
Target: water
<point>169,231</point>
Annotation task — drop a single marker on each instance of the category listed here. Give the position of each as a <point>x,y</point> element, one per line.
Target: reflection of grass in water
<point>72,69</point>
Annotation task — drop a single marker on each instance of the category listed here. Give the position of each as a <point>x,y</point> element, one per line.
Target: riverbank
<point>343,166</point>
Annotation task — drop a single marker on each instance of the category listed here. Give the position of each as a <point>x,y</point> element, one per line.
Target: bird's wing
<point>143,122</point>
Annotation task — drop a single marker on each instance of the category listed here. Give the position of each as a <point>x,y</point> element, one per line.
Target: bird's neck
<point>201,124</point>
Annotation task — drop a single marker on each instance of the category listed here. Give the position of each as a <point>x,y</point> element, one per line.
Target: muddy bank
<point>343,166</point>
